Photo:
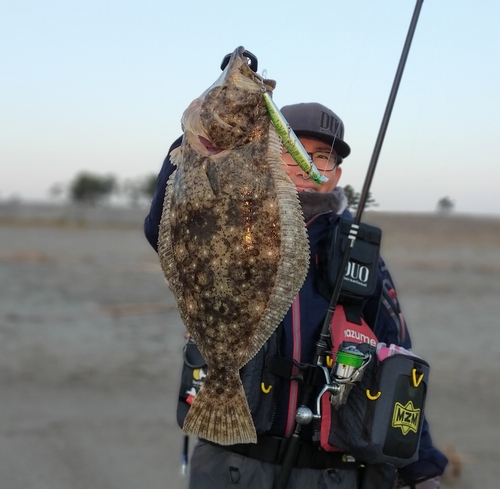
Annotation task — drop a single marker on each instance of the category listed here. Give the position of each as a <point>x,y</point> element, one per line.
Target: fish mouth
<point>213,150</point>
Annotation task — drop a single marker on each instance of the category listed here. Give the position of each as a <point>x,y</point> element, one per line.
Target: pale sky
<point>101,85</point>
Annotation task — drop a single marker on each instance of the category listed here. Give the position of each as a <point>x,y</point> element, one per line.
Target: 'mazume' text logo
<point>352,334</point>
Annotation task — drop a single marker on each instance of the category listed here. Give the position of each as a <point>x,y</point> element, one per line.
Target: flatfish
<point>232,242</point>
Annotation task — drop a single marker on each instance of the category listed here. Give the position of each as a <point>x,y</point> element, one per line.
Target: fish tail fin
<point>221,414</point>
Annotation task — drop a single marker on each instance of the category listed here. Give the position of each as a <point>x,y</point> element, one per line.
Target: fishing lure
<point>291,141</point>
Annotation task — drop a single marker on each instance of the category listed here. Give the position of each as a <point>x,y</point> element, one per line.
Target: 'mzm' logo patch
<point>405,417</point>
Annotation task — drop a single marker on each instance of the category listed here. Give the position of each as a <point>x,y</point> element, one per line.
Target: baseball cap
<point>317,121</point>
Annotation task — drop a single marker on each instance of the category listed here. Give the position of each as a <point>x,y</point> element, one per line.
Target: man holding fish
<point>240,224</point>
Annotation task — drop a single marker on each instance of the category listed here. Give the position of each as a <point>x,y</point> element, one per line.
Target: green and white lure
<point>291,141</point>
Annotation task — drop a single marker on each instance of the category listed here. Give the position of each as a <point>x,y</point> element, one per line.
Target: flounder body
<point>232,242</point>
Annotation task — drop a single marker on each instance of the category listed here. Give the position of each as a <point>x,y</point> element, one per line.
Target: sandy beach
<point>91,340</point>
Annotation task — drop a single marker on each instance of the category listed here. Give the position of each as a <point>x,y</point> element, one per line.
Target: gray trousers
<point>215,468</point>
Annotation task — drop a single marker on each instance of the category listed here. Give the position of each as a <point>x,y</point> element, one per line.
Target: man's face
<point>300,179</point>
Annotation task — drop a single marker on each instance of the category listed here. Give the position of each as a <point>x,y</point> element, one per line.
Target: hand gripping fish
<point>232,242</point>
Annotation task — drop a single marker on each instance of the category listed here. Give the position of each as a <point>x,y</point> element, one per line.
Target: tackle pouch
<point>381,422</point>
<point>360,278</point>
<point>194,371</point>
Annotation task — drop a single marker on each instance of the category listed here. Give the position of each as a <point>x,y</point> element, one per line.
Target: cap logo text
<point>329,124</point>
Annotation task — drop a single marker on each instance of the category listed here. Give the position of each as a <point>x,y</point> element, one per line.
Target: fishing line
<point>425,74</point>
<point>362,55</point>
<point>346,99</point>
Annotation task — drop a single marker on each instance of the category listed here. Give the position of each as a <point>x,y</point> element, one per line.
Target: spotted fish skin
<point>232,242</point>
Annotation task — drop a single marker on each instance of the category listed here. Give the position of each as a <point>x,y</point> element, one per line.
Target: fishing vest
<point>381,421</point>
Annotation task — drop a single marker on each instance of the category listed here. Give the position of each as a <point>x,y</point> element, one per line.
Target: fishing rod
<point>281,481</point>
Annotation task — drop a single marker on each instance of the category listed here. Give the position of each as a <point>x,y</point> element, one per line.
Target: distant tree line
<point>92,189</point>
<point>353,198</point>
<point>445,205</point>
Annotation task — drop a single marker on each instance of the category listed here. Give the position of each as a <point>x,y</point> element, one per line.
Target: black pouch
<point>194,371</point>
<point>259,383</point>
<point>360,278</point>
<point>381,421</point>
<point>256,376</point>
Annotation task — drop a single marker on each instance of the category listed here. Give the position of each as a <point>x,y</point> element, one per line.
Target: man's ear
<point>337,175</point>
